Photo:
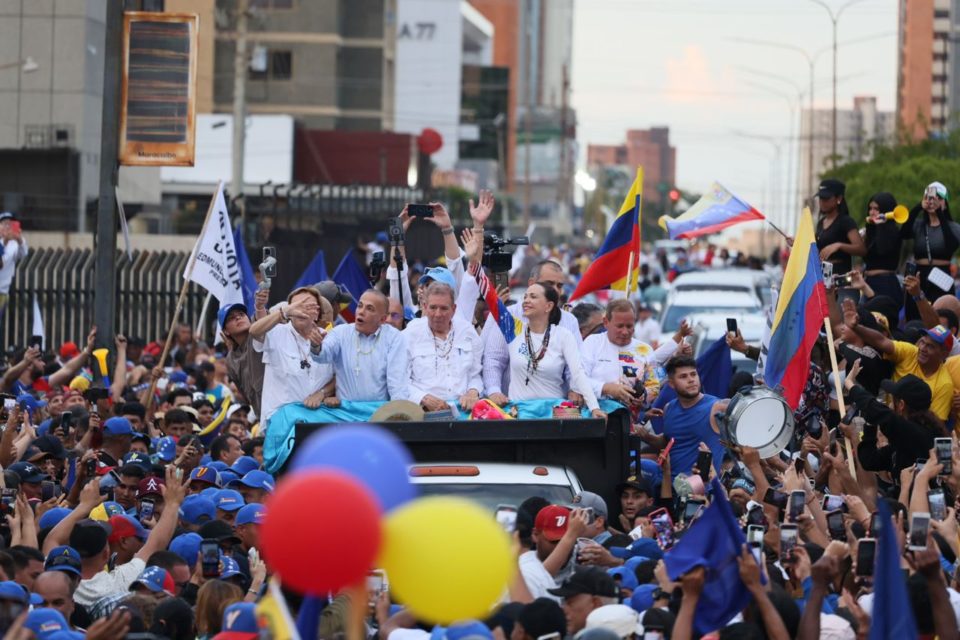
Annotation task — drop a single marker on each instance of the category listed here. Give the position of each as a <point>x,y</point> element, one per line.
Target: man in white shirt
<point>615,361</point>
<point>369,357</point>
<point>444,353</point>
<point>648,329</point>
<point>14,250</point>
<point>549,528</point>
<point>91,539</point>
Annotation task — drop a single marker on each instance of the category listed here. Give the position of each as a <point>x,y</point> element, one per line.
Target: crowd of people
<point>132,503</point>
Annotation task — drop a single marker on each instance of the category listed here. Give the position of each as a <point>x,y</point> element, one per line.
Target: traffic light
<point>674,195</point>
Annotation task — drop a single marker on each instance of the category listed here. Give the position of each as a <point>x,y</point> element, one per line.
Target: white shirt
<point>536,577</point>
<point>368,368</point>
<point>284,379</point>
<point>496,355</point>
<point>605,362</point>
<point>647,331</point>
<point>445,369</point>
<point>547,381</point>
<point>13,252</point>
<point>105,584</point>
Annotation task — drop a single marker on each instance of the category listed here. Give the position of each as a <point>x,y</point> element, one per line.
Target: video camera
<point>494,257</point>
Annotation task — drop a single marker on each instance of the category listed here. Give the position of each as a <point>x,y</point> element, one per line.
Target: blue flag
<point>350,275</point>
<point>713,542</point>
<point>247,276</point>
<point>315,272</point>
<point>892,613</point>
<point>715,369</point>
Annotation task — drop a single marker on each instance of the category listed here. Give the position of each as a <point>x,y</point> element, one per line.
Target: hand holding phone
<point>420,210</point>
<point>210,558</point>
<point>798,500</point>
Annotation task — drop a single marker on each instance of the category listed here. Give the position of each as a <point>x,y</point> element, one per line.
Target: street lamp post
<point>834,18</point>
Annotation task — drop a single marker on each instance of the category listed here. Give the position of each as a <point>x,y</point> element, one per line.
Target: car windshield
<point>676,313</point>
<point>491,495</point>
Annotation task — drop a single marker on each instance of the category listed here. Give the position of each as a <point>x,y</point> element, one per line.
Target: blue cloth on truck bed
<point>278,441</point>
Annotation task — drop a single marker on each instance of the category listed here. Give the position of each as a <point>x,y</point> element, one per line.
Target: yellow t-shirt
<point>941,383</point>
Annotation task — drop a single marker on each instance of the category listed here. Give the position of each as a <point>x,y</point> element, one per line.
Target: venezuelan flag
<point>609,267</point>
<point>714,211</point>
<point>509,325</point>
<point>801,308</point>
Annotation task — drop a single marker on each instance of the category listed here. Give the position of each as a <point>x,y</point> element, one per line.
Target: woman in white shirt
<point>540,352</point>
<point>290,374</point>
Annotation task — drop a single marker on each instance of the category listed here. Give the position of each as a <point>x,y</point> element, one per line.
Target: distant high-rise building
<point>649,148</point>
<point>857,130</point>
<point>928,79</point>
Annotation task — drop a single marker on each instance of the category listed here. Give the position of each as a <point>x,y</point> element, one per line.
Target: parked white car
<point>710,327</point>
<point>745,280</point>
<point>683,304</point>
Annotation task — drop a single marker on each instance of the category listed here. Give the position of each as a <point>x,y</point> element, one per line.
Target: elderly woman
<point>445,354</point>
<point>290,375</point>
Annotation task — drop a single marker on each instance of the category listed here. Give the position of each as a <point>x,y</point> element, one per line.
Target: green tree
<point>903,170</point>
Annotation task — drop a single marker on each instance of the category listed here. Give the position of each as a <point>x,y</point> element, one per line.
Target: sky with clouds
<point>678,63</point>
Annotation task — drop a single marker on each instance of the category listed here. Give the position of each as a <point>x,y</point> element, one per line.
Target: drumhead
<point>762,420</point>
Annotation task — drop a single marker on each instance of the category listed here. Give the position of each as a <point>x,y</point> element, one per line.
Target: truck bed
<point>597,450</point>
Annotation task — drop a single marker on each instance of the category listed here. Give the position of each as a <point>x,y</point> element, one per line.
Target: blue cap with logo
<point>439,274</point>
<point>252,513</point>
<point>206,475</point>
<point>45,622</point>
<point>229,500</point>
<point>155,579</point>
<point>167,448</point>
<point>230,568</point>
<point>139,459</point>
<point>239,622</point>
<point>63,558</point>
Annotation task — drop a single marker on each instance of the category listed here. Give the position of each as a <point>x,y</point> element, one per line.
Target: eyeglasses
<point>395,315</point>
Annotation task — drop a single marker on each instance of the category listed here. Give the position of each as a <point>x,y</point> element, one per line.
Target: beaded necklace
<point>360,352</point>
<point>533,361</point>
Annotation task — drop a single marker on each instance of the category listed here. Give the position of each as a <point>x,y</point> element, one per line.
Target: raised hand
<point>472,246</point>
<point>481,211</point>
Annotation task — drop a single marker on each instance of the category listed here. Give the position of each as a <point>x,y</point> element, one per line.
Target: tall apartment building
<point>857,129</point>
<point>650,148</point>
<point>328,63</point>
<point>928,78</point>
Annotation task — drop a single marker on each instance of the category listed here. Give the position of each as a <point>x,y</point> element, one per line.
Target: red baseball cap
<point>150,486</point>
<point>552,522</point>
<point>69,350</point>
<point>123,526</point>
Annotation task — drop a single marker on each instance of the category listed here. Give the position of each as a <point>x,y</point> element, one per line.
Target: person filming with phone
<point>936,238</point>
<point>14,250</point>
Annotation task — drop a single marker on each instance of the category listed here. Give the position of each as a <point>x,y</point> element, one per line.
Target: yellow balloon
<point>447,559</point>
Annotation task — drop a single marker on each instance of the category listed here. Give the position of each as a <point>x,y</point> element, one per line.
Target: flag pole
<point>636,284</point>
<point>776,228</point>
<point>180,299</point>
<point>839,389</point>
<point>626,285</point>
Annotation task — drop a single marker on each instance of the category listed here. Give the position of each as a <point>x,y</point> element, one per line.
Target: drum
<point>759,418</point>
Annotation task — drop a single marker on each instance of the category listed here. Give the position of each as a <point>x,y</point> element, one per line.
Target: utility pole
<point>240,111</point>
<point>528,115</point>
<point>563,188</point>
<point>105,242</point>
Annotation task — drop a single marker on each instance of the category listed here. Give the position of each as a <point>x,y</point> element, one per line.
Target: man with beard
<point>689,419</point>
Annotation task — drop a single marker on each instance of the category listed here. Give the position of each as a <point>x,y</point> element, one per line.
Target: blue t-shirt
<point>688,428</point>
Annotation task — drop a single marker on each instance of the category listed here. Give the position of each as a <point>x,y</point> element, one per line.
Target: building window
<point>271,64</point>
<point>941,13</point>
<point>939,57</point>
<point>938,79</point>
<point>271,4</point>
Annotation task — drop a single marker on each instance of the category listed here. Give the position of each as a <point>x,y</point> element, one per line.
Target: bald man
<point>369,357</point>
<point>56,590</point>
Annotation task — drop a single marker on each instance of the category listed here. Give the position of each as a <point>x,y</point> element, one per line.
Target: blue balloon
<point>372,455</point>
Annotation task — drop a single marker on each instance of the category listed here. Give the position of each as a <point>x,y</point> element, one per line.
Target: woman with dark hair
<point>173,619</point>
<point>884,240</point>
<point>838,238</point>
<point>936,237</point>
<point>542,350</point>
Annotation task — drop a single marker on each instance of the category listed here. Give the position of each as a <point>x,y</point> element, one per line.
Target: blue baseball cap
<point>634,562</point>
<point>53,517</point>
<point>229,500</point>
<point>117,426</point>
<point>207,475</point>
<point>139,459</point>
<point>63,558</point>
<point>463,630</point>
<point>225,311</point>
<point>44,427</point>
<point>10,590</point>
<point>44,622</point>
<point>196,510</point>
<point>239,622</point>
<point>31,403</point>
<point>244,465</point>
<point>218,465</point>
<point>646,547</point>
<point>187,546</point>
<point>439,274</point>
<point>256,479</point>
<point>628,579</point>
<point>28,472</point>
<point>228,475</point>
<point>230,568</point>
<point>210,493</point>
<point>66,635</point>
<point>642,598</point>
<point>253,513</point>
<point>156,579</point>
<point>167,448</point>
<point>178,377</point>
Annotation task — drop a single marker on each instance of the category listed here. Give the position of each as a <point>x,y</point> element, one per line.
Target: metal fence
<point>62,283</point>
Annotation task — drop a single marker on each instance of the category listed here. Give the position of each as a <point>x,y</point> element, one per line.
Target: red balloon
<point>429,141</point>
<point>321,532</point>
